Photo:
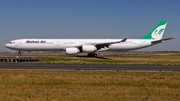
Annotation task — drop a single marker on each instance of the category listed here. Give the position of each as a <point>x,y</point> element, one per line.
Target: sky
<point>91,19</point>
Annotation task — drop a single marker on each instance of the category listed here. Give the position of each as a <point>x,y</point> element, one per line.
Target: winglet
<point>123,40</point>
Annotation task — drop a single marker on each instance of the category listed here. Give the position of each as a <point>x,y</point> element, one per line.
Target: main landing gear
<point>92,55</point>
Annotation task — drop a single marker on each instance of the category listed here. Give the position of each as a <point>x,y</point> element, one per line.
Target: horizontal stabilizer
<point>160,41</point>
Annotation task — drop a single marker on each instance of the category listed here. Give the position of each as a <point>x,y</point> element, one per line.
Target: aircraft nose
<point>7,45</point>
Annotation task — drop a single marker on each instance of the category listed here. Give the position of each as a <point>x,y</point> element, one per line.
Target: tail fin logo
<point>157,34</point>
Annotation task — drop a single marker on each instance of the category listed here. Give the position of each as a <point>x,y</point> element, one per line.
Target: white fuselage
<point>62,44</point>
<point>74,46</point>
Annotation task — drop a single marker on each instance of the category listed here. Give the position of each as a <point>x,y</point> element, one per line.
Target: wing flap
<point>103,45</point>
<point>108,43</point>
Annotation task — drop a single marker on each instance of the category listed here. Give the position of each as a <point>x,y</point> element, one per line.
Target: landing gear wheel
<point>92,55</point>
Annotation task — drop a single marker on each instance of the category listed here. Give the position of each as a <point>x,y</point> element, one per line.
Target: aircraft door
<point>80,43</point>
<point>142,43</point>
<point>17,43</point>
<point>57,43</point>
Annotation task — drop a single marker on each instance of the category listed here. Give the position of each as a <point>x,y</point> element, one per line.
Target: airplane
<point>91,46</point>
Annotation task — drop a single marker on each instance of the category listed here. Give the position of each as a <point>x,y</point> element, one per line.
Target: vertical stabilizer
<point>157,32</point>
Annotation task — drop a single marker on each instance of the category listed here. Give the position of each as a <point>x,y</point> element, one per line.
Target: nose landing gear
<point>19,53</point>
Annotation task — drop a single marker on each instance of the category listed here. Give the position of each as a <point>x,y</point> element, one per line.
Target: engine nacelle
<point>72,50</point>
<point>89,48</point>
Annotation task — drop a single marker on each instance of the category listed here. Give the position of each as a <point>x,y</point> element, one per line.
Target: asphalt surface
<point>30,66</point>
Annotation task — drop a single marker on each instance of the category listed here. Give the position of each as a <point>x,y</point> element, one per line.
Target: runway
<point>33,66</point>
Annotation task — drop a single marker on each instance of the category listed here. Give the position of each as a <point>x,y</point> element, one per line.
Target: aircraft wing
<point>103,45</point>
<point>160,41</point>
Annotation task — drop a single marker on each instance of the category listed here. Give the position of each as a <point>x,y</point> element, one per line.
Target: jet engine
<point>72,50</point>
<point>89,48</point>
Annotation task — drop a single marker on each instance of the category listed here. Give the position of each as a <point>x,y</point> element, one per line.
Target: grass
<point>92,85</point>
<point>145,59</point>
<point>108,58</point>
<point>89,86</point>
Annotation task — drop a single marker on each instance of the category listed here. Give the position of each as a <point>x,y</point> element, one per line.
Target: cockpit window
<point>9,42</point>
